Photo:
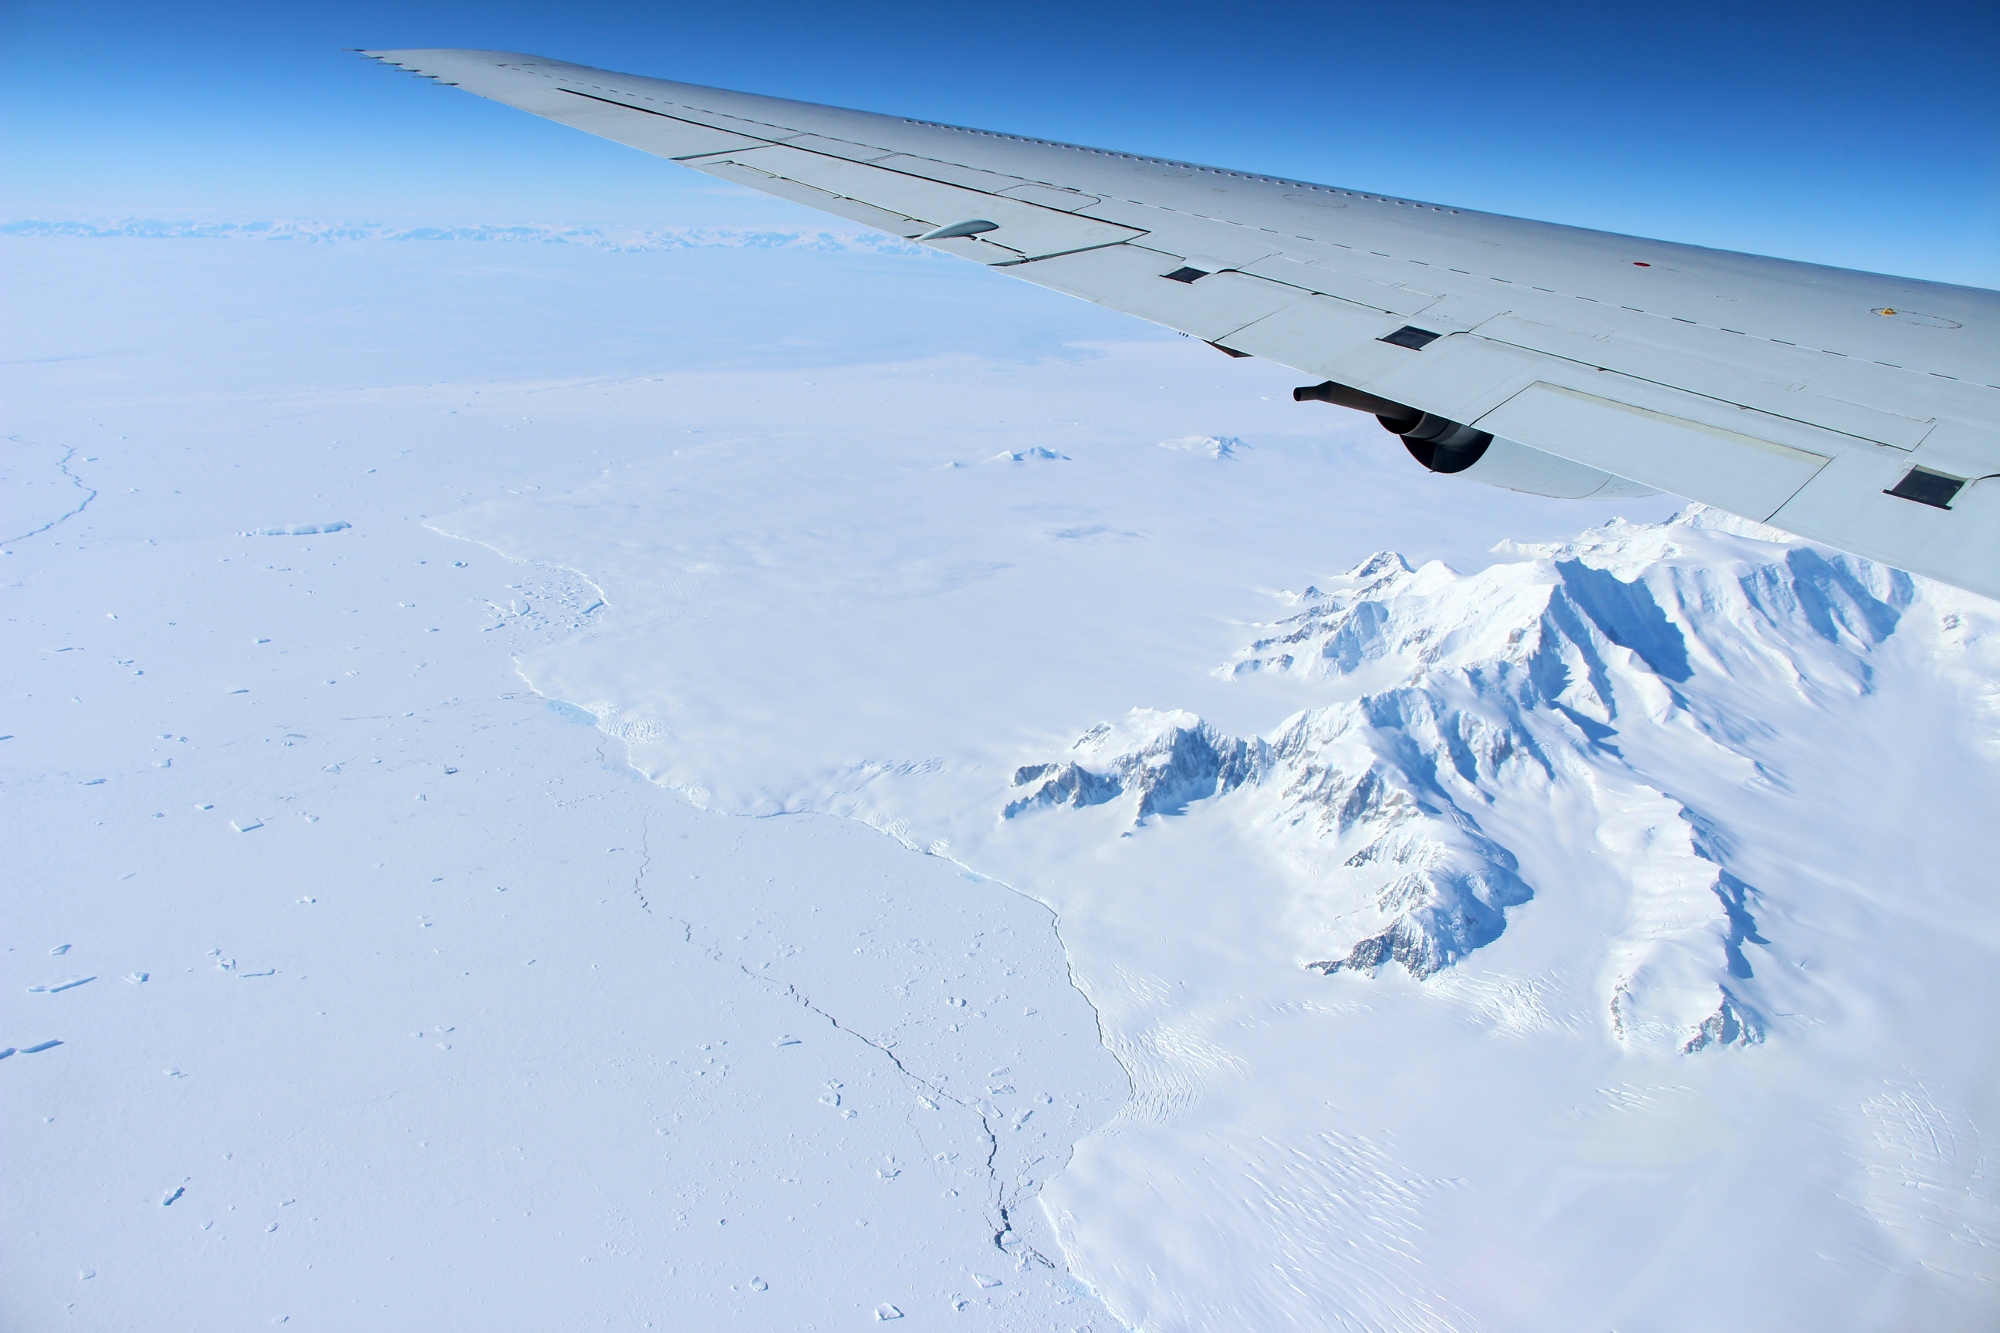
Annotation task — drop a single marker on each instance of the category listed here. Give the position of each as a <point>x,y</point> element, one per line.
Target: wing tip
<point>434,53</point>
<point>444,64</point>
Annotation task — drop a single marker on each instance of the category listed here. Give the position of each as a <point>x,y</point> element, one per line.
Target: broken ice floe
<point>301,529</point>
<point>54,987</point>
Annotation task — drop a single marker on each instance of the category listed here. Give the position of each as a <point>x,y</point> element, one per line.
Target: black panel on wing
<point>1410,336</point>
<point>1927,488</point>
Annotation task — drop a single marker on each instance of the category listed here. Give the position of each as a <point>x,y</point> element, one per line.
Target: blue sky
<point>1866,136</point>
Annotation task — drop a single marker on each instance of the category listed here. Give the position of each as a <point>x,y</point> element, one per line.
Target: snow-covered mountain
<point>1631,862</point>
<point>1488,705</point>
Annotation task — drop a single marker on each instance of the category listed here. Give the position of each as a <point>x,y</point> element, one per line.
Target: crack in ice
<point>62,466</point>
<point>998,1190</point>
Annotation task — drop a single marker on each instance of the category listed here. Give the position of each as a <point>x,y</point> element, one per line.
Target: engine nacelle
<point>1444,445</point>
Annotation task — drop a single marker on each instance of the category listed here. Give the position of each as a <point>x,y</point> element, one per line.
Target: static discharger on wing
<point>1851,408</point>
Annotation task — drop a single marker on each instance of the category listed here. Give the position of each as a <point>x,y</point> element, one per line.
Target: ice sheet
<point>1669,838</point>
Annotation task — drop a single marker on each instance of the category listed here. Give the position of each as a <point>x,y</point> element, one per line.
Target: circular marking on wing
<point>1918,317</point>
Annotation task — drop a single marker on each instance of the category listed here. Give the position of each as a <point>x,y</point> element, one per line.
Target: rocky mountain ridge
<point>1481,705</point>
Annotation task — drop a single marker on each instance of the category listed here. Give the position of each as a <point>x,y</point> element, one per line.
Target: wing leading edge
<point>1851,408</point>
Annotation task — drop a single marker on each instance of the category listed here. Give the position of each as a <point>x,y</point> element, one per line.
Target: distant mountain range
<point>609,237</point>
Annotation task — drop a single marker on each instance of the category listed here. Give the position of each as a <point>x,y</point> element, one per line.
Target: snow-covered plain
<point>1503,913</point>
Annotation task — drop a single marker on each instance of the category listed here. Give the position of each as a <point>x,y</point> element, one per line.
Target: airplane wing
<point>1850,408</point>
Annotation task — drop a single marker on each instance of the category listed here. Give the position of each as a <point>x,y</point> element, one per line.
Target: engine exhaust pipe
<point>1394,417</point>
<point>1439,443</point>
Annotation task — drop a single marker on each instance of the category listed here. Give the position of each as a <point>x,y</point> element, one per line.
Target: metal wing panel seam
<point>1058,254</point>
<point>1787,451</point>
<point>678,120</point>
<point>1847,438</point>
